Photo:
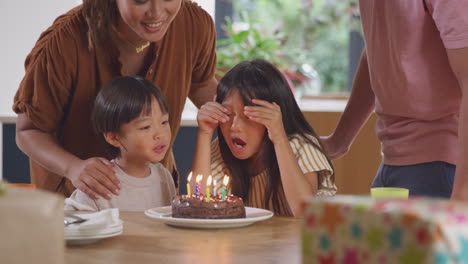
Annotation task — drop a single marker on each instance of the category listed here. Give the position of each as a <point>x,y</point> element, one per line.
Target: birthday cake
<point>184,206</point>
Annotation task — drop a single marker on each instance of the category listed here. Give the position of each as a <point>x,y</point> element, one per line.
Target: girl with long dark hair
<point>265,145</point>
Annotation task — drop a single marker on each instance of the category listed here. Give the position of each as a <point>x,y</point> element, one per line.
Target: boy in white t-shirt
<point>131,115</point>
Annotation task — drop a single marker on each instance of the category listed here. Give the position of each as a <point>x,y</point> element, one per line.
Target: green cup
<point>389,192</point>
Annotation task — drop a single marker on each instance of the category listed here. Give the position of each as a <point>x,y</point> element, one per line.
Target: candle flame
<point>208,182</point>
<point>189,177</point>
<point>214,183</point>
<point>199,178</point>
<point>226,180</point>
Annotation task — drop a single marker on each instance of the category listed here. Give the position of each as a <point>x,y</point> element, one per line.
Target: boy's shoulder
<point>159,167</point>
<point>158,170</point>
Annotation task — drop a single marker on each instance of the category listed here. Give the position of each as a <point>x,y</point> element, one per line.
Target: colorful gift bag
<point>355,229</point>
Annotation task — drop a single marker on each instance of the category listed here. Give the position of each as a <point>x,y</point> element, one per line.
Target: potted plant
<point>248,41</point>
<point>314,38</point>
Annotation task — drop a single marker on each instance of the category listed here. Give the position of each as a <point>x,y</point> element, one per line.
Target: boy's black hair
<point>259,79</point>
<point>120,101</point>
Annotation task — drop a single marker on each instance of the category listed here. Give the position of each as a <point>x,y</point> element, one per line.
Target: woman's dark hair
<point>101,17</point>
<point>120,101</point>
<point>259,79</point>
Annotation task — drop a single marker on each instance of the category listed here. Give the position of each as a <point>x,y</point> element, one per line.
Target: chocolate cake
<point>184,206</point>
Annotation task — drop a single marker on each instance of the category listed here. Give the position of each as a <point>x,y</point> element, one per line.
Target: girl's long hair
<point>259,79</point>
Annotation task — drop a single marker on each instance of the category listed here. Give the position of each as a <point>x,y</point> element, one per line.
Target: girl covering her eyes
<point>264,143</point>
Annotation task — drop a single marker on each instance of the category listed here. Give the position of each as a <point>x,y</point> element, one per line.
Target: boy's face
<point>146,138</point>
<point>242,135</point>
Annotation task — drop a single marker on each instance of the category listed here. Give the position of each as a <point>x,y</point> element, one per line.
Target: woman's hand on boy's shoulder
<point>269,115</point>
<point>95,177</point>
<point>210,115</point>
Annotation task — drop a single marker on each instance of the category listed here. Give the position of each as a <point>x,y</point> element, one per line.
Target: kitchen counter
<point>353,173</point>
<point>189,115</point>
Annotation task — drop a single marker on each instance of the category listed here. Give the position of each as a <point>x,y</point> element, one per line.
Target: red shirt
<point>416,93</point>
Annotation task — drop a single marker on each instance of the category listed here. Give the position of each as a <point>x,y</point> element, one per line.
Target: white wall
<point>208,5</point>
<point>21,23</point>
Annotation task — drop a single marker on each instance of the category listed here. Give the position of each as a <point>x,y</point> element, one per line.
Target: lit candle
<point>189,192</point>
<point>208,185</point>
<point>225,183</point>
<point>197,187</point>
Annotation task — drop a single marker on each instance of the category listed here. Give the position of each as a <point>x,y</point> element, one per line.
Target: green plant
<point>248,44</point>
<point>313,32</point>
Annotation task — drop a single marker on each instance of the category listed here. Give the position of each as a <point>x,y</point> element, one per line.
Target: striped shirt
<point>310,159</point>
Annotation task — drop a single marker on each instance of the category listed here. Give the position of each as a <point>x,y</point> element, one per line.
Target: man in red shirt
<point>413,73</point>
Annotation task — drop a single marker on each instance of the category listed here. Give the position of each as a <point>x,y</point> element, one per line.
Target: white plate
<point>93,225</point>
<point>80,240</point>
<point>101,231</point>
<point>164,214</point>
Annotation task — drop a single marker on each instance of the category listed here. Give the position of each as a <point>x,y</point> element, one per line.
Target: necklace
<point>142,47</point>
<point>124,39</point>
<point>137,49</point>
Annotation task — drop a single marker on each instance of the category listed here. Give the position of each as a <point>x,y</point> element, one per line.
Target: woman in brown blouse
<point>171,43</point>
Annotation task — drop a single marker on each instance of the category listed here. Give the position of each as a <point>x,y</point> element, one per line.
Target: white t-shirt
<point>136,194</point>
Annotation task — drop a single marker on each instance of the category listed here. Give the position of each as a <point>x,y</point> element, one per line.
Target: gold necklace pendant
<point>142,48</point>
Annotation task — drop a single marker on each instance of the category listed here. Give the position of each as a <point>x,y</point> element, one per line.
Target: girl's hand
<point>269,115</point>
<point>95,177</point>
<point>209,116</point>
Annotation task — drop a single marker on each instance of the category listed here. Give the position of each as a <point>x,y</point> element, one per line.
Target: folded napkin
<point>99,220</point>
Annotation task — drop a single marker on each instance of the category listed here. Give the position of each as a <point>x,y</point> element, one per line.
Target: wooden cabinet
<point>355,171</point>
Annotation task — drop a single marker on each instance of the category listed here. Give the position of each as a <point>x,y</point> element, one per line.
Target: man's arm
<point>458,59</point>
<point>360,105</point>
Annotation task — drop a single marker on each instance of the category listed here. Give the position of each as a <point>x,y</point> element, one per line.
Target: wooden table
<point>144,240</point>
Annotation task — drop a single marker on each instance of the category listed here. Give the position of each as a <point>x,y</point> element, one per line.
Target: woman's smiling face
<point>146,20</point>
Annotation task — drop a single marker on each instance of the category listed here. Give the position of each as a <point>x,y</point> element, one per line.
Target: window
<point>307,39</point>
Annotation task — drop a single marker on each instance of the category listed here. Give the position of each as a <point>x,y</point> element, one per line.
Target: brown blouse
<point>63,78</point>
